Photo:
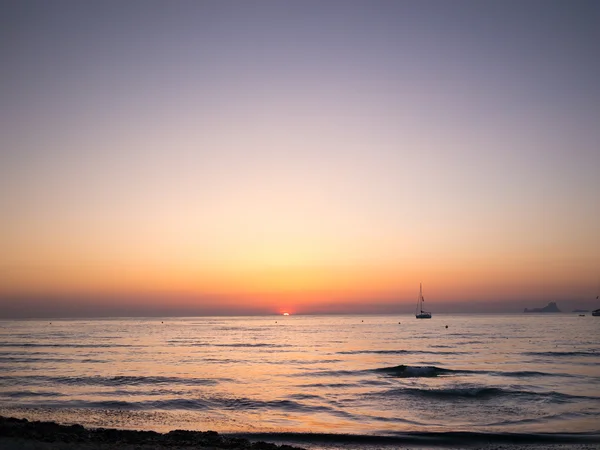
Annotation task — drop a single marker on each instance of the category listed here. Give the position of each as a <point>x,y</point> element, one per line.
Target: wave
<point>65,345</point>
<point>193,343</point>
<point>108,381</point>
<point>328,385</point>
<point>25,359</point>
<point>482,393</point>
<point>529,373</point>
<point>564,354</point>
<point>28,360</point>
<point>329,373</point>
<point>23,394</point>
<point>306,362</point>
<point>398,352</point>
<point>403,371</point>
<point>479,392</point>
<point>214,403</point>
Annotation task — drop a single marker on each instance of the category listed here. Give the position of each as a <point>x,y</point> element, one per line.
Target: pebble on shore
<point>21,433</point>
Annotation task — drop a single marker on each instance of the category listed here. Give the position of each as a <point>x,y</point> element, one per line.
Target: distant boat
<point>419,313</point>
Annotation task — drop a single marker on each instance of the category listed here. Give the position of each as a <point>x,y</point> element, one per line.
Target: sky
<point>257,157</point>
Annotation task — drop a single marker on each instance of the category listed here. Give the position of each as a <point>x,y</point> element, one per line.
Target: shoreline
<point>22,433</point>
<point>18,434</point>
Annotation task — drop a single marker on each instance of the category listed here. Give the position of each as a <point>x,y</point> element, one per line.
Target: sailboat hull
<point>423,316</point>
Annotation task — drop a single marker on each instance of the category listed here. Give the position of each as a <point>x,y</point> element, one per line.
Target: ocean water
<point>293,377</point>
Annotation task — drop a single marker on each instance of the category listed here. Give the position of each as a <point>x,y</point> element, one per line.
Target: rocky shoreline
<point>24,434</point>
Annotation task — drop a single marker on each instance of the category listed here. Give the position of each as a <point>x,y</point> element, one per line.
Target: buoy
<point>446,326</point>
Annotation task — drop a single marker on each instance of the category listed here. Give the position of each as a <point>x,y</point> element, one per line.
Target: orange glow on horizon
<point>291,290</point>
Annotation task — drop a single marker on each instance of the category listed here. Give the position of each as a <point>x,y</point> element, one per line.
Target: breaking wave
<point>403,371</point>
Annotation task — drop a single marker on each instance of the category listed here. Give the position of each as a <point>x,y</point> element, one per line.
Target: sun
<point>286,314</point>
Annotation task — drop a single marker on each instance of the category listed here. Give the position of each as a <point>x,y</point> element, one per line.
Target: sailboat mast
<point>419,312</point>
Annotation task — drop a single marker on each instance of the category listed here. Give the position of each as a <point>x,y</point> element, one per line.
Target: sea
<point>317,381</point>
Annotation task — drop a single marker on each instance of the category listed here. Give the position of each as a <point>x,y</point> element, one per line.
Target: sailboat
<point>419,313</point>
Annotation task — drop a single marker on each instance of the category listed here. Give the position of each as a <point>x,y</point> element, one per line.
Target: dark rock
<point>549,308</point>
<point>53,432</point>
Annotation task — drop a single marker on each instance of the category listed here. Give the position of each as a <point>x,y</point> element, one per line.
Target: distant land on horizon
<point>551,307</point>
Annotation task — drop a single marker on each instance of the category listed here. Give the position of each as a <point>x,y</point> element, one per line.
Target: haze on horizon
<point>303,156</point>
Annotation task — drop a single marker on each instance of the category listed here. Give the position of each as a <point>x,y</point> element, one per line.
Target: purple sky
<point>209,147</point>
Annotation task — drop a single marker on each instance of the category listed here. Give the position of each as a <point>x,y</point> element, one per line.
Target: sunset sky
<point>238,157</point>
